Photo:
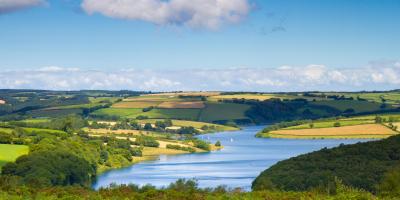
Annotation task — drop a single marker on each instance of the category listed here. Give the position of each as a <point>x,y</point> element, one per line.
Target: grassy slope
<point>223,111</point>
<point>9,152</point>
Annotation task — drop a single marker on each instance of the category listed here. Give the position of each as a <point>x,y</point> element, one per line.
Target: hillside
<point>361,165</point>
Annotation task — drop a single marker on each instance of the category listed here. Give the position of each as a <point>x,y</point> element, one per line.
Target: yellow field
<point>135,104</point>
<point>357,131</point>
<point>206,94</point>
<point>260,97</point>
<point>172,104</point>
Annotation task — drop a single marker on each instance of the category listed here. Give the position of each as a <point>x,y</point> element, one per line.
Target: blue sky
<point>266,35</point>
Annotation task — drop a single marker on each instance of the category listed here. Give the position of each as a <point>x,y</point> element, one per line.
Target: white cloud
<point>13,5</point>
<point>280,79</point>
<point>210,14</point>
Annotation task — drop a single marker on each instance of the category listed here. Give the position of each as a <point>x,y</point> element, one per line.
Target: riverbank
<point>236,165</point>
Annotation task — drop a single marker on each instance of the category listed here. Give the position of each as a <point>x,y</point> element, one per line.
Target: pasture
<point>355,131</point>
<point>223,111</point>
<point>9,152</point>
<point>330,123</point>
<point>135,104</point>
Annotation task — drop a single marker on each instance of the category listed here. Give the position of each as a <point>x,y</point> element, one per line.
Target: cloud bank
<point>209,14</point>
<point>14,5</point>
<point>280,79</point>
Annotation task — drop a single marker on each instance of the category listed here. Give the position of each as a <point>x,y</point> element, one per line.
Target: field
<point>135,104</point>
<point>356,131</point>
<point>9,152</point>
<point>6,130</point>
<point>329,124</point>
<point>260,97</point>
<point>186,104</point>
<point>223,111</point>
<point>358,106</point>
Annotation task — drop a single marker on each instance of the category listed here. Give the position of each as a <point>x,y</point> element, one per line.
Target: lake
<point>243,158</point>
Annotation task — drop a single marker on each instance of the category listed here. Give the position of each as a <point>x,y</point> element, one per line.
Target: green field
<point>50,131</point>
<point>6,130</point>
<point>358,106</point>
<point>9,152</point>
<point>187,114</point>
<point>223,111</point>
<point>328,124</point>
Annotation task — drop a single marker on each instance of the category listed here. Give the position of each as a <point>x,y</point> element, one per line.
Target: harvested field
<point>357,131</point>
<point>135,104</point>
<point>206,94</point>
<point>260,97</point>
<point>192,104</point>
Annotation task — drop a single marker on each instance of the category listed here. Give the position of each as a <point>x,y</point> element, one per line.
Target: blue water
<point>241,160</point>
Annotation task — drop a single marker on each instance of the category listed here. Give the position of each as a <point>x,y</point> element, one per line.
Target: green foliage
<point>11,188</point>
<point>336,124</point>
<point>389,187</point>
<point>218,144</point>
<point>50,168</point>
<point>182,148</point>
<point>146,141</point>
<point>201,144</point>
<point>360,165</point>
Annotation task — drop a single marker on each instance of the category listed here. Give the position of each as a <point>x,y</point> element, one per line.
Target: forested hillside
<point>362,165</point>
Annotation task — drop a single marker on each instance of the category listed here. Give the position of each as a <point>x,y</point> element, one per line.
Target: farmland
<point>369,126</point>
<point>350,131</point>
<point>8,152</point>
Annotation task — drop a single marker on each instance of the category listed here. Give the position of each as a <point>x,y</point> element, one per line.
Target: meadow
<point>9,152</point>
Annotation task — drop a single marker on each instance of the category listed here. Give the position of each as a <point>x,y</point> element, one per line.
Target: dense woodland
<point>363,165</point>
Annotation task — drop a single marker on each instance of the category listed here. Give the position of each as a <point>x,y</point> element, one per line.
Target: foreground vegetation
<point>182,190</point>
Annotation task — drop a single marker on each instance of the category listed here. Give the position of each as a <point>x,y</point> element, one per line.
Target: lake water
<point>237,165</point>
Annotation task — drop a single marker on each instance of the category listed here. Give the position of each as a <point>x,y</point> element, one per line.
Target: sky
<point>230,45</point>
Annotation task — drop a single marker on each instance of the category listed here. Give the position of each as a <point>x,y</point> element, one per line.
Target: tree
<point>390,185</point>
<point>148,126</point>
<point>311,125</point>
<point>218,144</point>
<point>378,120</point>
<point>336,124</point>
<point>51,168</point>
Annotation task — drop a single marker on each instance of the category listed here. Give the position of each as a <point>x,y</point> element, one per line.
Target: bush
<point>182,148</point>
<point>5,138</point>
<point>218,144</point>
<point>202,145</point>
<point>146,141</point>
<point>336,124</point>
